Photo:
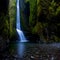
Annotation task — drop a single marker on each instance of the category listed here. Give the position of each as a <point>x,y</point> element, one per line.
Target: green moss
<point>37,29</point>
<point>12,15</point>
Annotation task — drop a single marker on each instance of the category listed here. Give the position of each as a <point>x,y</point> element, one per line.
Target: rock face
<point>4,25</point>
<point>3,44</point>
<point>4,17</point>
<point>4,6</point>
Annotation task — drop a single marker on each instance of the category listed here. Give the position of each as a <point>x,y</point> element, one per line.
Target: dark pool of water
<point>27,50</point>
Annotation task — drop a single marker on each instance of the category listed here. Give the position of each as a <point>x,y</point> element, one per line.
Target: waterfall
<point>18,25</point>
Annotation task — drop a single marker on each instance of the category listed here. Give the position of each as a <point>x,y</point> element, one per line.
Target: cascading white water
<point>18,26</point>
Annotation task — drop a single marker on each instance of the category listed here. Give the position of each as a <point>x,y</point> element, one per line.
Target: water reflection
<point>21,48</point>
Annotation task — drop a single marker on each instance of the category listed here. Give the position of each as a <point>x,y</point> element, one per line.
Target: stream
<point>25,50</point>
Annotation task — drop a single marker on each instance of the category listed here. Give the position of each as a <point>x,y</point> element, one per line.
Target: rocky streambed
<point>32,51</point>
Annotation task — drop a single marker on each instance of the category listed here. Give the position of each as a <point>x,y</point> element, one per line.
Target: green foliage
<point>49,10</point>
<point>51,14</point>
<point>58,10</point>
<point>43,19</point>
